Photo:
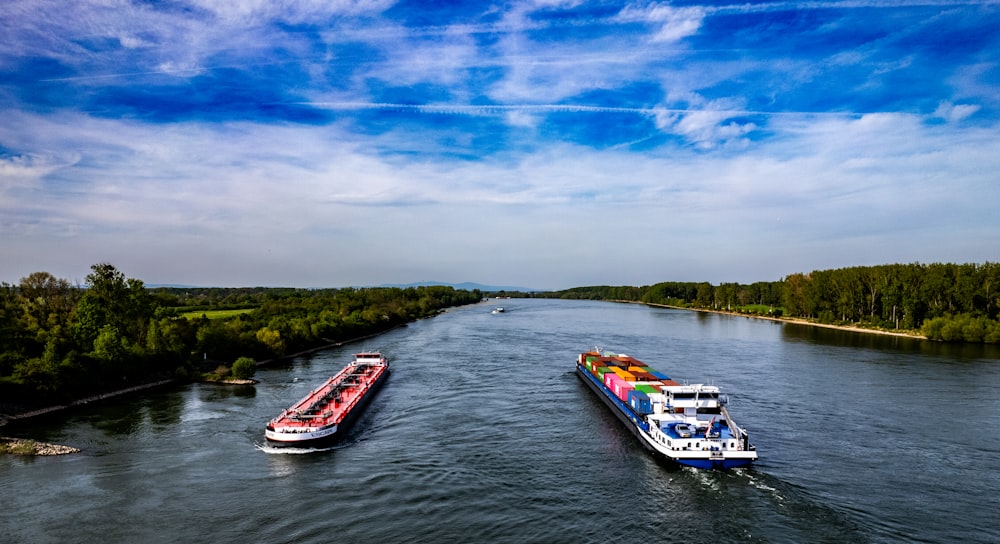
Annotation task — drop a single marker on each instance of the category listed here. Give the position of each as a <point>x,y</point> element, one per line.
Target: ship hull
<point>634,423</point>
<point>330,434</point>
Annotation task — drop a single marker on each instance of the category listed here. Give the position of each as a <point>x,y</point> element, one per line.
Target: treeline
<point>951,302</point>
<point>59,341</point>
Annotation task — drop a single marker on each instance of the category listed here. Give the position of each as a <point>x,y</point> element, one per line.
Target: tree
<point>111,299</point>
<point>794,294</point>
<point>111,349</point>
<point>272,339</point>
<point>705,294</point>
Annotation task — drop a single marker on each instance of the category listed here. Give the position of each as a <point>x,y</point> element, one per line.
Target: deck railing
<point>742,439</point>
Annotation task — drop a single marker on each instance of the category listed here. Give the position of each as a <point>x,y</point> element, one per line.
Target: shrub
<point>992,333</point>
<point>974,330</point>
<point>244,368</point>
<point>932,328</point>
<point>18,447</point>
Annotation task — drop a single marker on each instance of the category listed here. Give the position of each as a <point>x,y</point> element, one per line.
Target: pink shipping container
<point>620,387</point>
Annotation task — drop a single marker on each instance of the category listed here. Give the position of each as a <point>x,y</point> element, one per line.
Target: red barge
<point>329,410</point>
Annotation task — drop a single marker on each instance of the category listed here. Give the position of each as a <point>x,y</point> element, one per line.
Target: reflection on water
<point>119,421</point>
<point>841,338</point>
<point>223,392</point>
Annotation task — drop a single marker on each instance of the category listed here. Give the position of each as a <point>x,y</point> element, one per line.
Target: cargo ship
<point>686,424</point>
<point>329,410</point>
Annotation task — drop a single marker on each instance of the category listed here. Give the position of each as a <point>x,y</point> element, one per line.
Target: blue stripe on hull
<point>709,464</point>
<point>623,408</point>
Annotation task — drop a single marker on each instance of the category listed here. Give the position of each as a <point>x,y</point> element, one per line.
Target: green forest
<point>949,302</point>
<point>60,342</point>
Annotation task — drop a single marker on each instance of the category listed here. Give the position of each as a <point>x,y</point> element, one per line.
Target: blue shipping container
<point>639,401</point>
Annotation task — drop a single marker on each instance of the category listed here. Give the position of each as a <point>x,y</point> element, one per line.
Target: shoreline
<point>8,444</point>
<point>789,320</point>
<point>20,416</point>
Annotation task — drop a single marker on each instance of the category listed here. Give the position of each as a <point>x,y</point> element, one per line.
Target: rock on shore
<point>22,446</point>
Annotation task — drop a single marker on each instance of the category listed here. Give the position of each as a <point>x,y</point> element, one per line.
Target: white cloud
<point>243,198</point>
<point>27,170</point>
<point>257,193</point>
<point>954,113</point>
<point>293,11</point>
<point>674,23</point>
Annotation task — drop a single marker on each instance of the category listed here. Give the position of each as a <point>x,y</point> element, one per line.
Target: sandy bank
<point>795,321</point>
<point>21,446</point>
<point>230,381</point>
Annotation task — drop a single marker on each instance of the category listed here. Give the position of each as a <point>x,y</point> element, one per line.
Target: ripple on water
<point>483,433</point>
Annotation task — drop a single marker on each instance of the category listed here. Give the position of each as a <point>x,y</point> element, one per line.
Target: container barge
<point>329,410</point>
<point>687,424</point>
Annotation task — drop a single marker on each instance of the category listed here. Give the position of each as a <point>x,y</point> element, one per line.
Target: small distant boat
<point>498,310</point>
<point>329,410</point>
<point>687,424</point>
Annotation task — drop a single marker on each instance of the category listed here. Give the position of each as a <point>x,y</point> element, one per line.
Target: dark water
<point>484,434</point>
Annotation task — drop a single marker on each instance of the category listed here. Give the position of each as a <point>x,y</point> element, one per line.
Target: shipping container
<point>627,376</point>
<point>622,389</point>
<point>639,401</point>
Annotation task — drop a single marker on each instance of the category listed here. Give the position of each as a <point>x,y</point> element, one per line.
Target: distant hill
<point>468,286</point>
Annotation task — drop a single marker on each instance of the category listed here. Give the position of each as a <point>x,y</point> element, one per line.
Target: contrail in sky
<point>474,109</point>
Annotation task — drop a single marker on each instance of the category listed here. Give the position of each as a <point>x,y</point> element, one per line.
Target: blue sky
<point>542,144</point>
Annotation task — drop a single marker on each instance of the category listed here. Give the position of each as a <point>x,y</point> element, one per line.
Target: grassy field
<point>215,314</point>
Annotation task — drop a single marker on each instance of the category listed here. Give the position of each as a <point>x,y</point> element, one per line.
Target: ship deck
<point>331,402</point>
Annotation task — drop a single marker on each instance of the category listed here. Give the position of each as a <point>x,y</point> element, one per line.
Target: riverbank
<point>15,415</point>
<point>794,321</point>
<point>20,416</point>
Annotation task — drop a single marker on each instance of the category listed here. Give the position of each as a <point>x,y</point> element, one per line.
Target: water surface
<point>484,433</point>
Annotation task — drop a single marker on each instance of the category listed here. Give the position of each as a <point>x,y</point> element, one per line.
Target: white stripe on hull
<point>278,436</point>
<point>703,455</point>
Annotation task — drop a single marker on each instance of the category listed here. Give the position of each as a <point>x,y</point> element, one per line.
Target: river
<point>483,433</point>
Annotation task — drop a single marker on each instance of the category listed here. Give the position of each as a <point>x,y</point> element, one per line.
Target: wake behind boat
<point>329,410</point>
<point>688,424</point>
